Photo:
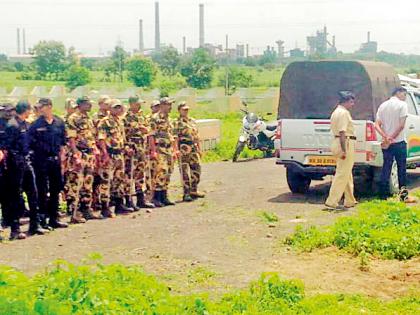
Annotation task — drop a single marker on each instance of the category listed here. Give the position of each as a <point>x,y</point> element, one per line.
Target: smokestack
<point>157,27</point>
<point>184,45</point>
<point>227,43</point>
<point>141,41</point>
<point>247,50</point>
<point>18,41</point>
<point>201,25</point>
<point>368,37</point>
<point>24,41</point>
<point>333,41</point>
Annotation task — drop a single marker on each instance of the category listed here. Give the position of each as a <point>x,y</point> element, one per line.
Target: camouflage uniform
<point>151,167</point>
<point>135,125</point>
<point>185,130</point>
<point>99,115</point>
<point>112,184</point>
<point>78,187</point>
<point>162,131</point>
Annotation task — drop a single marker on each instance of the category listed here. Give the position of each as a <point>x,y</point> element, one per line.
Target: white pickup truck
<point>308,95</point>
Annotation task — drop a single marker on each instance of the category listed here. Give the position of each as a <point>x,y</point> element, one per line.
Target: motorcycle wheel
<point>239,148</point>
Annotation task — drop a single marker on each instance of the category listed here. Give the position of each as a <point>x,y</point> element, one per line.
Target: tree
<point>198,69</point>
<point>77,76</point>
<point>168,59</point>
<point>141,71</point>
<point>119,58</point>
<point>237,77</point>
<point>50,58</point>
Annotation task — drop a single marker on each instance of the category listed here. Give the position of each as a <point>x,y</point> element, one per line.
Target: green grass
<point>388,230</point>
<point>268,217</point>
<point>117,289</point>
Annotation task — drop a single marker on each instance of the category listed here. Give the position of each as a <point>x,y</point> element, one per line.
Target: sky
<point>95,26</point>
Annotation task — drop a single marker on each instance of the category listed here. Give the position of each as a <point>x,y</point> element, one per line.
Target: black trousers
<point>4,196</point>
<point>397,152</point>
<point>21,178</point>
<point>49,182</point>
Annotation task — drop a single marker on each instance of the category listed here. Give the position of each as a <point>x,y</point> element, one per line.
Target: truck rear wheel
<point>393,187</point>
<point>297,182</point>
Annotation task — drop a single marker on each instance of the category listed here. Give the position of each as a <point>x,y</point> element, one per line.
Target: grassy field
<point>117,289</point>
<point>263,78</point>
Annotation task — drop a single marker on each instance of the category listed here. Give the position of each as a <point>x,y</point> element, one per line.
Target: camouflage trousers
<point>112,179</point>
<point>79,180</point>
<point>190,169</point>
<point>151,168</point>
<point>135,169</point>
<point>164,170</point>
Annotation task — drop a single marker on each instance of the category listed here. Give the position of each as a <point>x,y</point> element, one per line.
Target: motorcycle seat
<point>271,127</point>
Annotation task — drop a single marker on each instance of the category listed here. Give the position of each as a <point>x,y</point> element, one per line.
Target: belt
<point>136,140</point>
<point>348,137</point>
<point>114,151</point>
<point>186,142</point>
<point>85,150</point>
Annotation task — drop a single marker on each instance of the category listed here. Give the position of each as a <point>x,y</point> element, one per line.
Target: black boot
<point>142,203</point>
<point>16,233</point>
<point>130,204</point>
<point>120,208</point>
<point>43,222</point>
<point>35,228</point>
<point>157,199</point>
<point>165,199</point>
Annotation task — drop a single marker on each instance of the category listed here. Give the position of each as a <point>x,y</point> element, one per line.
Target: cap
<point>346,96</point>
<point>82,99</point>
<point>115,103</point>
<point>135,99</point>
<point>6,107</point>
<point>70,103</point>
<point>104,99</point>
<point>166,100</point>
<point>155,103</point>
<point>183,105</point>
<point>43,102</point>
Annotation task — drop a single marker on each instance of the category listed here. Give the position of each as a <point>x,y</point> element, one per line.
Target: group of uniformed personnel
<point>116,162</point>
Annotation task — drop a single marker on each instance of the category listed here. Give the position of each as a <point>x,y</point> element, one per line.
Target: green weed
<point>385,229</point>
<point>268,217</point>
<point>116,289</point>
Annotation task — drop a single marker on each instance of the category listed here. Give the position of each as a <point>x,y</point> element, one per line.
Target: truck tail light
<point>277,140</point>
<point>278,131</point>
<point>370,132</point>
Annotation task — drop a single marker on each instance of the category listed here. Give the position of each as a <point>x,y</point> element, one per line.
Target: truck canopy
<point>309,89</point>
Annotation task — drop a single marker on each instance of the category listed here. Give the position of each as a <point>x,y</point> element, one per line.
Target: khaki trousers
<point>343,178</point>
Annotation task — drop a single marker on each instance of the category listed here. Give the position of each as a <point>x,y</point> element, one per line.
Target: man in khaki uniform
<point>343,149</point>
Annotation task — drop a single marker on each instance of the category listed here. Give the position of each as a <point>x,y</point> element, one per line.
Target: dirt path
<point>221,241</point>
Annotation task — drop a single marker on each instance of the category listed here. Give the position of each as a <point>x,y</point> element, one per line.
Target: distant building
<point>370,47</point>
<point>319,44</point>
<point>297,53</point>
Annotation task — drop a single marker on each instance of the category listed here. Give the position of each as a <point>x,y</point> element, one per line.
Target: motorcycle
<point>255,134</point>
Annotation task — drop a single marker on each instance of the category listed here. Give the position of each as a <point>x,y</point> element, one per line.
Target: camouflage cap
<point>166,100</point>
<point>155,103</point>
<point>183,105</point>
<point>82,99</point>
<point>104,99</point>
<point>115,103</point>
<point>70,103</point>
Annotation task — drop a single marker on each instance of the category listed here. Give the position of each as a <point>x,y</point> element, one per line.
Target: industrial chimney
<point>201,44</point>
<point>24,41</point>
<point>18,41</point>
<point>157,27</point>
<point>141,41</point>
<point>184,45</point>
<point>368,37</point>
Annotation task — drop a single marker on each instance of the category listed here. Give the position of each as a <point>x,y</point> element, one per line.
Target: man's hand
<point>1,156</point>
<point>130,152</point>
<point>105,159</point>
<point>153,155</point>
<point>175,155</point>
<point>343,155</point>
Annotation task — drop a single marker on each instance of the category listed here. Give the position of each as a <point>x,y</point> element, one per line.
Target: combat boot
<point>165,199</point>
<point>16,233</point>
<point>120,208</point>
<point>157,199</point>
<point>43,222</point>
<point>197,194</point>
<point>77,217</point>
<point>89,214</point>
<point>106,210</point>
<point>36,229</point>
<point>142,203</point>
<point>130,204</point>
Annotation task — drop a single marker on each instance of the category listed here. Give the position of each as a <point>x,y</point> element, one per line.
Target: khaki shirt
<point>341,121</point>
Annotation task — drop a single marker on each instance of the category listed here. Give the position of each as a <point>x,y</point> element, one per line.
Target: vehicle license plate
<point>322,160</point>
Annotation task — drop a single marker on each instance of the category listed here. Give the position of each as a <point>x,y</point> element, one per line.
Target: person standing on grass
<point>343,149</point>
<point>390,124</point>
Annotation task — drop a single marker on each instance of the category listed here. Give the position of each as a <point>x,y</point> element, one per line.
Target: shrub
<point>141,71</point>
<point>77,76</point>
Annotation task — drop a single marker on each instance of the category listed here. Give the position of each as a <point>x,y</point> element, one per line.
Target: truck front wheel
<point>298,183</point>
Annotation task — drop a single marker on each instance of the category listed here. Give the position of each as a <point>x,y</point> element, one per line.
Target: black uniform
<point>3,195</point>
<point>46,141</point>
<point>20,174</point>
